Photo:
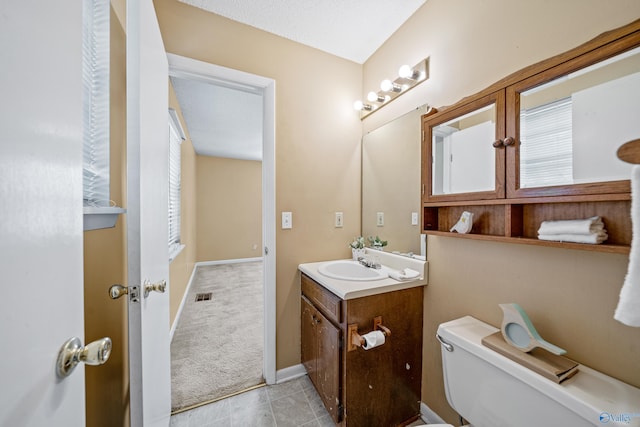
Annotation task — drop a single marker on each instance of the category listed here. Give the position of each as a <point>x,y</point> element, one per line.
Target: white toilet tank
<point>489,390</point>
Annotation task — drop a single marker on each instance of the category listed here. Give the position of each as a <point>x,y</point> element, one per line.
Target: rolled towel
<point>404,274</point>
<point>572,226</point>
<point>627,311</point>
<point>594,238</point>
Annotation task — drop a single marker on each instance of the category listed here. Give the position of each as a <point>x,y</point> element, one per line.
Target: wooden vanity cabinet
<point>512,211</point>
<point>380,386</point>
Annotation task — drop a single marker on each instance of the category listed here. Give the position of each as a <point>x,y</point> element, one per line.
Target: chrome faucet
<point>368,263</point>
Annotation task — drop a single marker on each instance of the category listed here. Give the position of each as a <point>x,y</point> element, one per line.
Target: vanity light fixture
<point>408,78</point>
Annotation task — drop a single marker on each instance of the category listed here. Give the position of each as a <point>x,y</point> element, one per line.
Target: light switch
<point>380,219</point>
<point>287,220</point>
<point>339,219</point>
<point>414,218</point>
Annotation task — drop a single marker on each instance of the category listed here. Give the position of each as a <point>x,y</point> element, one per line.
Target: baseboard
<point>184,299</point>
<point>290,373</point>
<point>429,416</point>
<point>228,261</point>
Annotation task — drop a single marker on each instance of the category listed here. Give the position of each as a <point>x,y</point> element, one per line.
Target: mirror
<point>391,183</point>
<point>571,127</point>
<point>463,156</point>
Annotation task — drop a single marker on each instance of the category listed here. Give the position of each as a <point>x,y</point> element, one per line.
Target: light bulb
<point>372,97</point>
<point>405,72</point>
<point>386,85</point>
<point>358,105</point>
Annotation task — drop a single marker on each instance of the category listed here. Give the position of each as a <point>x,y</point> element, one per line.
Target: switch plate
<point>414,218</point>
<point>380,219</point>
<point>287,220</point>
<point>339,219</point>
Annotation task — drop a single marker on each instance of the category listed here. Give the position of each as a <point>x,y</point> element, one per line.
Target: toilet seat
<point>434,425</point>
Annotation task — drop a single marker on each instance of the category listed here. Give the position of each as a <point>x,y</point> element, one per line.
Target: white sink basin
<point>350,270</point>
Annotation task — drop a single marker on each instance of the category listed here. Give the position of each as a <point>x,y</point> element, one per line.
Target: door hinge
<point>266,250</point>
<point>340,412</point>
<point>341,343</point>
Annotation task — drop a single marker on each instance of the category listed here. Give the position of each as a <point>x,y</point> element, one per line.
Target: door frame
<point>188,68</point>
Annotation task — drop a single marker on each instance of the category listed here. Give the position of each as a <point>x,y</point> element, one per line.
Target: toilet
<point>489,390</point>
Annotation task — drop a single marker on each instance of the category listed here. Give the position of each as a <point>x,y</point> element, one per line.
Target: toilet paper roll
<point>373,339</point>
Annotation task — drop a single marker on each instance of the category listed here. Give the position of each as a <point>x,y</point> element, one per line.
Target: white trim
<point>175,252</point>
<point>184,299</point>
<point>429,416</point>
<point>228,261</point>
<point>189,68</point>
<point>290,373</point>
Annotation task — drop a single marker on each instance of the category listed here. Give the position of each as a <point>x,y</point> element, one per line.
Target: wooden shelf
<point>518,221</point>
<point>614,249</point>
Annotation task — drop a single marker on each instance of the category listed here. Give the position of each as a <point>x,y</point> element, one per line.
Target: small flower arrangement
<point>358,243</point>
<point>377,243</point>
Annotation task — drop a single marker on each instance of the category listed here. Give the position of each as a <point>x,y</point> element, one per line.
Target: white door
<point>147,220</point>
<point>41,264</point>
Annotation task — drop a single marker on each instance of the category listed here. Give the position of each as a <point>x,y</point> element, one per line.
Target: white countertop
<point>348,289</point>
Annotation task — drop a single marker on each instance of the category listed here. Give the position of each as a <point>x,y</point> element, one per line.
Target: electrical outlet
<point>380,219</point>
<point>287,220</point>
<point>339,219</point>
<point>414,218</point>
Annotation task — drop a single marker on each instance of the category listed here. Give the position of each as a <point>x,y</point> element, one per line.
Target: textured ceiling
<point>351,29</point>
<point>221,122</point>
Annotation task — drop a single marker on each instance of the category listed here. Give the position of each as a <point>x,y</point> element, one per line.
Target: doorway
<point>193,70</point>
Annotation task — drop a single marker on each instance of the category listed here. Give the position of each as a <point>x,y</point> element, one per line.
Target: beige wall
<point>105,264</point>
<point>229,208</point>
<point>182,266</point>
<point>317,142</point>
<point>570,295</point>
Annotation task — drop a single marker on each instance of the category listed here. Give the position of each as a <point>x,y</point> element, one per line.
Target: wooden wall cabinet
<point>512,210</point>
<point>380,386</point>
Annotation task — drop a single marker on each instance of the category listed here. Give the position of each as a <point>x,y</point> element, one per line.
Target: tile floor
<point>294,403</point>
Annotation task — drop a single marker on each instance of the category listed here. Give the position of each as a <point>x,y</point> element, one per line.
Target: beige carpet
<point>217,347</point>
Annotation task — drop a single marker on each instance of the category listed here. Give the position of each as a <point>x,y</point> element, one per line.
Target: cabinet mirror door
<point>568,123</point>
<point>463,151</point>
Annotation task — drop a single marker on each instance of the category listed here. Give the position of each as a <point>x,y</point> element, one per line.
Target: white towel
<point>404,274</point>
<point>572,226</point>
<point>594,238</point>
<point>628,310</point>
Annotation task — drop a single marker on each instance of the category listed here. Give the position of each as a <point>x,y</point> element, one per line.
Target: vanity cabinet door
<point>464,151</point>
<point>320,354</point>
<point>309,347</point>
<point>328,365</point>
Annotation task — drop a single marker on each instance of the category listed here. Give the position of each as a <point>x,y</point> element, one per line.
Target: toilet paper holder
<point>356,340</point>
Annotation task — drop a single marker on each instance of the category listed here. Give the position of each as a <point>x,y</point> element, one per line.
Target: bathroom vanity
<point>379,386</point>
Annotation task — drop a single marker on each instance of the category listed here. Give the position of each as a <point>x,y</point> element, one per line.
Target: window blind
<point>175,139</point>
<point>546,149</point>
<point>95,81</point>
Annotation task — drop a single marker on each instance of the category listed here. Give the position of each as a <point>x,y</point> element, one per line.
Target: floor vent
<point>203,297</point>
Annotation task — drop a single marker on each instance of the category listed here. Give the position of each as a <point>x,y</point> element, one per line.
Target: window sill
<point>175,252</point>
<point>96,218</point>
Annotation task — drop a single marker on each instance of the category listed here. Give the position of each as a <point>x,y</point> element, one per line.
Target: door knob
<point>72,353</point>
<point>160,286</point>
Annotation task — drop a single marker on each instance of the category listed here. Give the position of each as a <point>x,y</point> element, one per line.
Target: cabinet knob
<point>498,143</point>
<point>509,141</point>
